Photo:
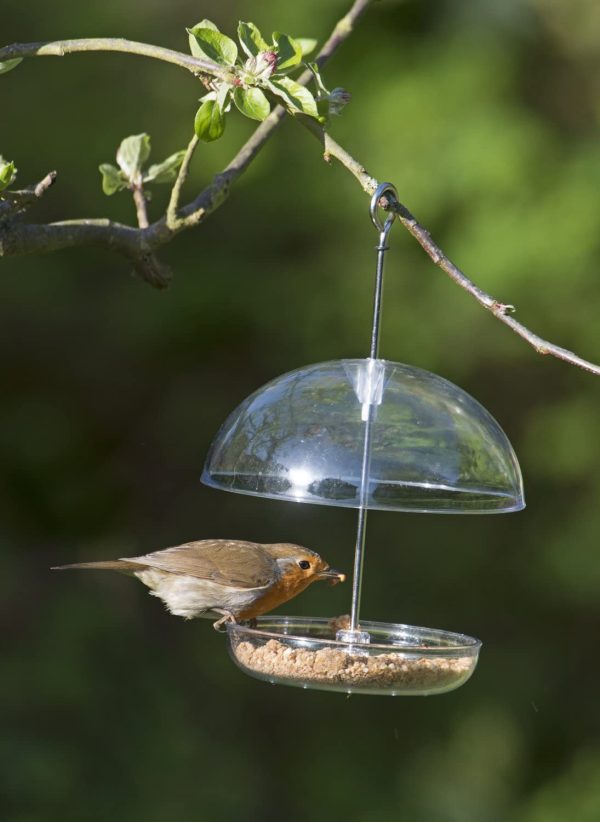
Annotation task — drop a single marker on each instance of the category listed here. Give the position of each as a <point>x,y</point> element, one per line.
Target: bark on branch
<point>60,48</point>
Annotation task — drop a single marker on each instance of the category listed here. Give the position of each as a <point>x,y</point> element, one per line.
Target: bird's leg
<point>227,617</point>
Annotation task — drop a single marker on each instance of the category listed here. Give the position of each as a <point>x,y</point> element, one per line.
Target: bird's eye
<point>304,564</point>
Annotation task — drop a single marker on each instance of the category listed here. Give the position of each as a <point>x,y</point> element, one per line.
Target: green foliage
<point>264,69</point>
<point>9,65</point>
<point>113,179</point>
<point>307,45</point>
<point>251,102</point>
<point>573,794</point>
<point>294,95</point>
<point>165,172</point>
<point>209,123</point>
<point>206,41</point>
<point>8,173</point>
<point>132,155</point>
<point>289,52</point>
<point>251,39</point>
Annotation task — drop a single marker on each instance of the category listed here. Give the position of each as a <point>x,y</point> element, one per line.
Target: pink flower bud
<point>262,66</point>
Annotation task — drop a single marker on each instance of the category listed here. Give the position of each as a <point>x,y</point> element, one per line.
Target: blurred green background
<point>486,116</point>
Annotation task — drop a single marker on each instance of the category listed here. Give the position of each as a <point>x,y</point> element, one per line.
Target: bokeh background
<point>486,117</point>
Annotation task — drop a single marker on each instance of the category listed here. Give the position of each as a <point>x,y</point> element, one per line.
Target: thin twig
<point>59,48</point>
<point>502,311</point>
<point>141,206</point>
<point>15,202</point>
<point>173,207</point>
<point>341,31</point>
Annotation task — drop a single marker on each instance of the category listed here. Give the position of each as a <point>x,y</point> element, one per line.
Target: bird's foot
<point>219,625</point>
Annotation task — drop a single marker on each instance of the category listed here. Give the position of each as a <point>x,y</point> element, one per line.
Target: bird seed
<point>336,667</point>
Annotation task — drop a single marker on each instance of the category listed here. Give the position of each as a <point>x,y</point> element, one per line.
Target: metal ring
<point>380,191</point>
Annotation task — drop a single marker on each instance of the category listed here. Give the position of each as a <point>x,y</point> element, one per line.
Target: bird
<point>232,579</point>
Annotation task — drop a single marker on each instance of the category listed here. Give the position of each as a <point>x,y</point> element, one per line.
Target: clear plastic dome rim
<point>435,448</point>
<point>207,480</point>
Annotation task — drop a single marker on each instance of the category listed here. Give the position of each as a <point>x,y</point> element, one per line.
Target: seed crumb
<point>333,666</point>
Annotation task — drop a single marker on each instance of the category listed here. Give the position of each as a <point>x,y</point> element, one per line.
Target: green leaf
<point>8,173</point>
<point>295,96</point>
<point>132,154</point>
<point>209,124</point>
<point>206,24</point>
<point>9,65</point>
<point>221,96</point>
<point>211,44</point>
<point>165,172</point>
<point>194,47</point>
<point>323,110</point>
<point>251,39</point>
<point>289,51</point>
<point>252,102</point>
<point>307,44</point>
<point>112,179</point>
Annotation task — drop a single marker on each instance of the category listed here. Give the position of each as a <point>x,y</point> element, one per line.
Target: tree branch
<point>141,206</point>
<point>139,244</point>
<point>502,311</point>
<point>26,238</point>
<point>59,48</point>
<point>172,217</point>
<point>46,238</point>
<point>15,202</point>
<point>217,192</point>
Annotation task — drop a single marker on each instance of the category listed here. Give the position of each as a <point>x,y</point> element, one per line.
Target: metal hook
<point>381,190</point>
<point>384,229</point>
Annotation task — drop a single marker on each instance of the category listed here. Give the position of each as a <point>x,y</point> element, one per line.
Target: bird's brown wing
<point>228,562</point>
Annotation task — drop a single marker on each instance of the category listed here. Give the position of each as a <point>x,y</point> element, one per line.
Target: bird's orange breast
<point>285,588</point>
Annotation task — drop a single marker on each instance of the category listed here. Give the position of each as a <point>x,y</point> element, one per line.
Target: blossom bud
<point>338,98</point>
<point>262,66</point>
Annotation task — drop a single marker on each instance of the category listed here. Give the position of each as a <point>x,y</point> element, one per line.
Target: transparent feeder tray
<point>398,660</point>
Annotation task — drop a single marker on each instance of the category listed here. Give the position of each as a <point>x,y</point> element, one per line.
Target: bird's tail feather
<point>109,565</point>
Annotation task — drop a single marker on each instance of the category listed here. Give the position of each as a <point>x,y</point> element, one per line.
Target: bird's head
<point>300,566</point>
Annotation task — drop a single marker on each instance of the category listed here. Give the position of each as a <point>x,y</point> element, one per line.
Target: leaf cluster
<point>259,74</point>
<point>129,173</point>
<point>8,173</point>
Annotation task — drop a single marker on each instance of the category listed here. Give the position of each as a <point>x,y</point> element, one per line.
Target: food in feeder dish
<point>400,659</point>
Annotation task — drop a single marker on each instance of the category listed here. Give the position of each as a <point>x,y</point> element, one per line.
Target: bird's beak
<point>332,575</point>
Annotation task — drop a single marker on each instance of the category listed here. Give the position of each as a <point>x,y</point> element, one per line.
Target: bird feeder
<point>366,434</point>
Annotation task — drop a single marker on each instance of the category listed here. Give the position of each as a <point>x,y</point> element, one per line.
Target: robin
<point>232,579</point>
